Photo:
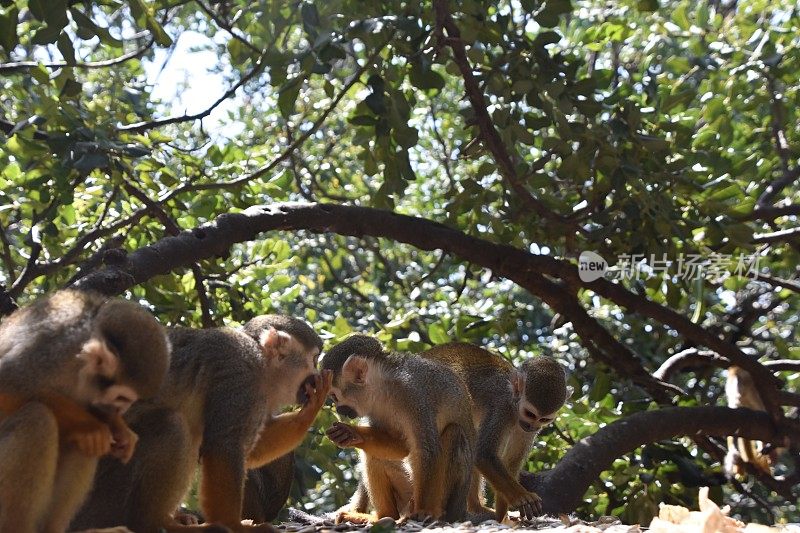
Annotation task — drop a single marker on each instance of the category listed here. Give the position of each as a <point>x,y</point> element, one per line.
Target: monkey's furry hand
<point>124,442</point>
<point>92,440</point>
<point>317,393</point>
<point>344,435</point>
<point>529,504</point>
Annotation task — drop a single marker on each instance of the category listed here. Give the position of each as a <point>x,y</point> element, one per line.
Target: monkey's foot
<point>423,517</point>
<point>478,517</point>
<point>529,504</point>
<point>247,525</point>
<point>118,529</point>
<point>205,528</point>
<point>480,509</point>
<point>185,518</point>
<point>356,518</point>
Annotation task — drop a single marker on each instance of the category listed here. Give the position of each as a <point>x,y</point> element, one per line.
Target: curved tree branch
<point>563,487</point>
<point>694,357</point>
<point>783,365</point>
<point>523,268</point>
<point>771,213</point>
<point>532,272</point>
<point>689,357</point>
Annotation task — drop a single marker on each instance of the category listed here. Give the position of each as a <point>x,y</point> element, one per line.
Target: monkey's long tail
<point>296,515</point>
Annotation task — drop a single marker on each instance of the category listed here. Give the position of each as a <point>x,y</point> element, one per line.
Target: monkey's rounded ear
<point>273,341</point>
<point>98,358</point>
<point>517,384</point>
<point>355,368</point>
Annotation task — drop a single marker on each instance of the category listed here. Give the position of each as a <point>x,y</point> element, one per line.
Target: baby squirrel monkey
<point>509,406</point>
<point>70,365</point>
<point>419,445</point>
<point>220,405</point>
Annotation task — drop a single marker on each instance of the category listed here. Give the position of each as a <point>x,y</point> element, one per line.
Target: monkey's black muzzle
<point>526,426</point>
<point>346,411</point>
<point>302,395</point>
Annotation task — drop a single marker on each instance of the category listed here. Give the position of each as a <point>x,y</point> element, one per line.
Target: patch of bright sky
<point>188,80</point>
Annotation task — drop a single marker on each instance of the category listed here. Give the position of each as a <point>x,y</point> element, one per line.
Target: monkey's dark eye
<point>529,414</point>
<point>104,382</point>
<point>114,343</point>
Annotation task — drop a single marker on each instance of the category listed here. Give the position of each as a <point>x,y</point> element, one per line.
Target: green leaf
<point>310,15</point>
<point>376,102</point>
<point>46,35</point>
<point>363,120</point>
<point>144,16</point>
<point>680,18</point>
<point>68,214</point>
<point>406,136</point>
<point>702,14</point>
<point>383,528</point>
<point>425,78</point>
<point>71,89</point>
<point>705,138</point>
<point>438,333</point>
<point>647,6</point>
<point>740,234</point>
<point>88,162</point>
<point>86,27</point>
<point>726,193</point>
<point>651,142</point>
<point>671,101</point>
<point>8,28</point>
<point>280,281</point>
<point>38,8</point>
<point>287,96</point>
<point>65,47</point>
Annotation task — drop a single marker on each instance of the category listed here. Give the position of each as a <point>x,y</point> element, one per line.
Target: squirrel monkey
<point>506,421</point>
<point>741,391</point>
<point>221,404</point>
<point>70,365</point>
<point>509,406</point>
<point>419,445</point>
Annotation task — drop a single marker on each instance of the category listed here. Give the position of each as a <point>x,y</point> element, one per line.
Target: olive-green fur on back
<point>463,355</point>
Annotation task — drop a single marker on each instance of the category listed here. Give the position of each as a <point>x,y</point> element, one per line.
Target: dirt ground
<point>565,524</point>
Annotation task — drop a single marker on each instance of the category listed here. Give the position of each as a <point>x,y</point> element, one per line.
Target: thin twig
<point>14,66</point>
<point>291,148</point>
<point>778,282</point>
<point>140,127</point>
<point>227,27</point>
<point>785,235</point>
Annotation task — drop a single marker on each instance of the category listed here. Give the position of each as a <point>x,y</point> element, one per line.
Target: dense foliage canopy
<point>643,130</point>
